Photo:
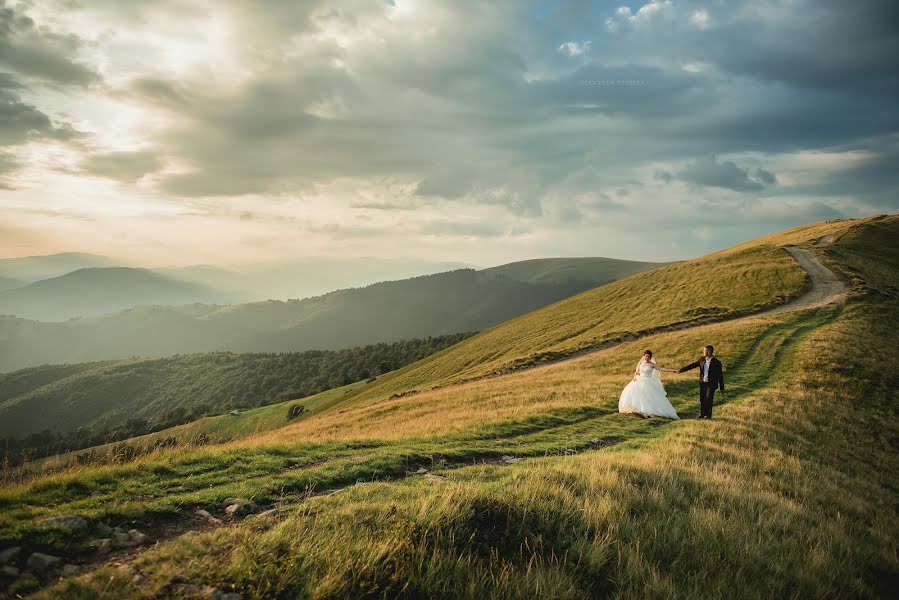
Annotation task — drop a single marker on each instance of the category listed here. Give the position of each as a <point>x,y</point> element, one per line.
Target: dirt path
<point>826,286</point>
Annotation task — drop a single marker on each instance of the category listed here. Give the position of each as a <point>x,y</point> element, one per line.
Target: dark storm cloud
<point>122,166</point>
<point>825,44</point>
<point>157,91</point>
<point>38,52</point>
<point>8,163</point>
<point>21,122</point>
<point>31,56</point>
<point>708,172</point>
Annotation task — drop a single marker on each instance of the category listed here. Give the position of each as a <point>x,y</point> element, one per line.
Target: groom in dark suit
<point>711,376</point>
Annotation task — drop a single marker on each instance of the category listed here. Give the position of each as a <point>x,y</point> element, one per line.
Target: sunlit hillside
<point>443,480</point>
<point>723,285</point>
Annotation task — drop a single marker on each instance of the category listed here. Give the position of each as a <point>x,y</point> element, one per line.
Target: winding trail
<point>826,286</point>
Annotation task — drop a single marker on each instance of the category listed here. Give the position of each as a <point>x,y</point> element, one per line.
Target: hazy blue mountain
<point>234,283</point>
<point>34,268</point>
<point>97,291</point>
<point>10,283</point>
<point>460,300</point>
<point>307,277</point>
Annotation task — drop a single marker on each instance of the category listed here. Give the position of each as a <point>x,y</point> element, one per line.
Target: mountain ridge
<point>435,304</point>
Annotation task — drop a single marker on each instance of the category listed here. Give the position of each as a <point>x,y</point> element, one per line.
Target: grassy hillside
<point>95,402</point>
<point>213,429</point>
<point>441,304</point>
<point>561,270</point>
<point>790,491</point>
<point>710,288</point>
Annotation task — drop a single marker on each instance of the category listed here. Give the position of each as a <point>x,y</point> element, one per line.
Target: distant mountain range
<point>450,302</point>
<point>277,280</point>
<point>9,283</point>
<point>28,269</point>
<point>97,291</point>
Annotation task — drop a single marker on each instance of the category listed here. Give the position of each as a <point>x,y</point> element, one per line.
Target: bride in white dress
<point>645,395</point>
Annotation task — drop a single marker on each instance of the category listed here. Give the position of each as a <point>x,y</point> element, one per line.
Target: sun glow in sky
<point>163,132</point>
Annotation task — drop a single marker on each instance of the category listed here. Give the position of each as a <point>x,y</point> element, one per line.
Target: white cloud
<point>700,18</point>
<point>575,49</point>
<point>645,15</point>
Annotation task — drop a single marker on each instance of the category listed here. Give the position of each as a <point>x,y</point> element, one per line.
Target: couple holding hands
<point>646,396</point>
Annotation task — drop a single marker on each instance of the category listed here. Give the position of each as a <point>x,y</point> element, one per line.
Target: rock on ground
<point>41,562</point>
<point>272,513</point>
<point>72,522</point>
<point>9,554</point>
<point>208,516</point>
<point>239,506</point>
<point>103,546</point>
<point>137,537</point>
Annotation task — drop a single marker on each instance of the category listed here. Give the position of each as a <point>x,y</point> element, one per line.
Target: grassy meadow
<point>790,491</point>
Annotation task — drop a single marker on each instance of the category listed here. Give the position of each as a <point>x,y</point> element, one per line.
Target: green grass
<point>789,492</point>
<point>210,430</point>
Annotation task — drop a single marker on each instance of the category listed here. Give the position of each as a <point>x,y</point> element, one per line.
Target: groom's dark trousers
<point>706,398</point>
<point>707,388</point>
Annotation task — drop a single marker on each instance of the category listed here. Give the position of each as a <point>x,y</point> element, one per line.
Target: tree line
<point>143,396</point>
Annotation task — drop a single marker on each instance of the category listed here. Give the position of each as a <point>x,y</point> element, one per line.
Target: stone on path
<point>120,538</point>
<point>69,570</point>
<point>103,545</point>
<point>249,505</point>
<point>9,554</point>
<point>208,516</point>
<point>10,571</point>
<point>137,537</point>
<point>71,522</point>
<point>39,561</point>
<point>421,471</point>
<point>272,513</point>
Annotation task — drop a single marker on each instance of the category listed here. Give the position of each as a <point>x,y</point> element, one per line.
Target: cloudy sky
<point>227,131</point>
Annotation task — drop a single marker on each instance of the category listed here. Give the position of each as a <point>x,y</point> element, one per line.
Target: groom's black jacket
<point>716,373</point>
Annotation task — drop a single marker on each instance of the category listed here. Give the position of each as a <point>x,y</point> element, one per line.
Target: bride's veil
<point>655,372</point>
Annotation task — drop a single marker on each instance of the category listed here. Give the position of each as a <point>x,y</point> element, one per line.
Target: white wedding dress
<point>646,395</point>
